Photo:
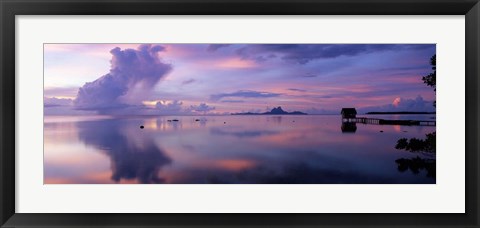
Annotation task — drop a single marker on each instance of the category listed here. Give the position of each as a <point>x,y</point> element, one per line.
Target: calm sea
<point>312,149</point>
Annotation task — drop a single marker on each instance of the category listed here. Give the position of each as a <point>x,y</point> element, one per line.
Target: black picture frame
<point>10,8</point>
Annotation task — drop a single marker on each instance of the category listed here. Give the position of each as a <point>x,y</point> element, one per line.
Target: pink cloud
<point>235,63</point>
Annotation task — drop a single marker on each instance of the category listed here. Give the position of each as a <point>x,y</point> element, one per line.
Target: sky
<point>220,79</point>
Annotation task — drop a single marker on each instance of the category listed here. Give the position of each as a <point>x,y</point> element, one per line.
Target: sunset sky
<point>188,79</point>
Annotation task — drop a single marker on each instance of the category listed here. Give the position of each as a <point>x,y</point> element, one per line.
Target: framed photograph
<point>257,113</point>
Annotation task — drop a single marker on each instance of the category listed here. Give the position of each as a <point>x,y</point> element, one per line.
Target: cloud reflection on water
<point>128,160</point>
<point>227,149</point>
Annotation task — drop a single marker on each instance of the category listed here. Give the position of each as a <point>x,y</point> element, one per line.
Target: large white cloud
<point>138,69</point>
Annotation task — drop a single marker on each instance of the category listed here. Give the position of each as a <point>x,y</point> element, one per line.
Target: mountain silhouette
<point>275,111</point>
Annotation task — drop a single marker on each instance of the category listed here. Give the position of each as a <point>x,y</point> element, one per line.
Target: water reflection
<point>349,127</point>
<point>275,119</point>
<point>416,165</point>
<point>228,149</point>
<point>306,173</point>
<point>129,160</point>
<point>425,147</point>
<point>241,133</point>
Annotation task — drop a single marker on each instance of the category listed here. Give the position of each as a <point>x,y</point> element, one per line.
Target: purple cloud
<point>54,102</point>
<point>403,105</point>
<point>304,53</point>
<point>61,106</point>
<point>215,47</point>
<point>202,108</point>
<point>174,107</point>
<point>297,90</point>
<point>186,82</point>
<point>141,69</point>
<point>320,111</point>
<point>232,101</point>
<point>244,94</point>
<point>66,92</point>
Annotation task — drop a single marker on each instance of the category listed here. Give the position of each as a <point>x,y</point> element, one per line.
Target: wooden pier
<point>365,120</point>
<point>349,115</point>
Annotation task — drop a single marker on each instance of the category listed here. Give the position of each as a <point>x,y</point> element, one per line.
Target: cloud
<point>320,111</point>
<point>130,69</point>
<point>161,107</point>
<point>235,63</point>
<point>215,47</point>
<point>244,94</point>
<point>186,82</point>
<point>173,107</point>
<point>232,101</point>
<point>304,53</point>
<point>201,108</point>
<point>54,102</point>
<point>61,106</point>
<point>60,92</point>
<point>310,75</point>
<point>402,105</point>
<point>297,90</point>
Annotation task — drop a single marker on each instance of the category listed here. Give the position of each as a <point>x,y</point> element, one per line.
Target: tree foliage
<point>427,145</point>
<point>431,79</point>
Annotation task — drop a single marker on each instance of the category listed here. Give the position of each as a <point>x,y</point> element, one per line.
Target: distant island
<point>274,111</point>
<point>399,113</point>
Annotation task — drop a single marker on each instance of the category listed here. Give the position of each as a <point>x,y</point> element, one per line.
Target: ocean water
<point>310,149</point>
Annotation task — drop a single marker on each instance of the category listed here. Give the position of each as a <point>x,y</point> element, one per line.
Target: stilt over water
<point>349,116</point>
